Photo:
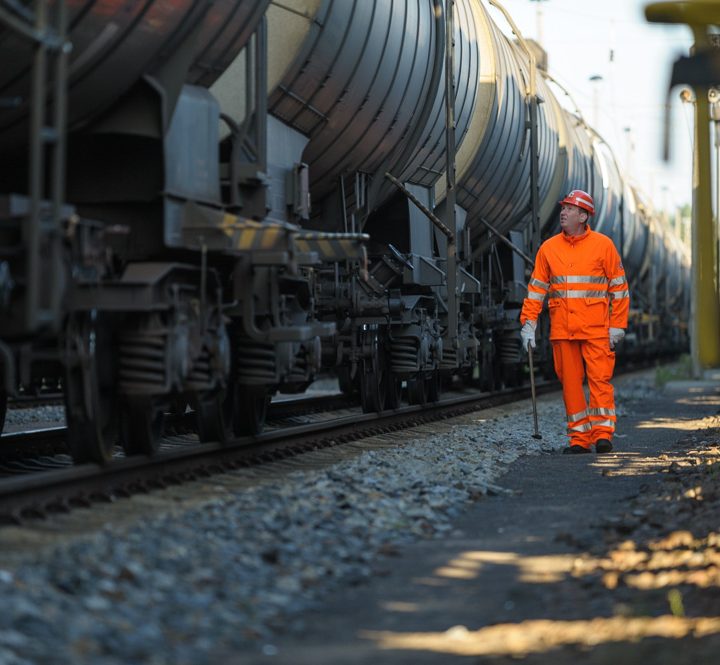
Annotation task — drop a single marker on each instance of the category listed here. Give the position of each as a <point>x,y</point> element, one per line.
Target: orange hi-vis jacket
<point>585,282</point>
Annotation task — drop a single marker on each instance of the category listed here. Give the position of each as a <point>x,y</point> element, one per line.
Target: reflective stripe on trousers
<point>574,359</point>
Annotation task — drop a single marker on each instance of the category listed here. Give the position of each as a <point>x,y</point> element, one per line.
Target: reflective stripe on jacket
<point>584,281</point>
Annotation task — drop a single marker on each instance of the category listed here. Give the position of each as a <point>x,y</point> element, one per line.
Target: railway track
<point>31,401</point>
<point>19,445</point>
<point>48,483</point>
<point>38,478</point>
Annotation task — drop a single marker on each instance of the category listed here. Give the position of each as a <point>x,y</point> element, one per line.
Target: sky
<point>579,36</point>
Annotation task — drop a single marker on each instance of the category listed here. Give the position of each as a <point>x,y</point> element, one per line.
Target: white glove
<point>616,335</point>
<point>527,334</point>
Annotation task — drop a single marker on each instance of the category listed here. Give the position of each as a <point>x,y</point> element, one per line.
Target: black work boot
<point>603,446</point>
<point>576,450</point>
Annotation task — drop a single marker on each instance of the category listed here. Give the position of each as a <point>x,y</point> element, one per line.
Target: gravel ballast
<point>232,572</point>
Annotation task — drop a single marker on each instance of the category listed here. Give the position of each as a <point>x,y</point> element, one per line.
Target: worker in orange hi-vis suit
<point>581,274</point>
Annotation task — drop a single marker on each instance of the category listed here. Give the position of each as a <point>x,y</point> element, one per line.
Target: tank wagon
<point>150,262</point>
<point>211,202</point>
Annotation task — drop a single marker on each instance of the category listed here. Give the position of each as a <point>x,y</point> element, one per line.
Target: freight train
<point>205,203</point>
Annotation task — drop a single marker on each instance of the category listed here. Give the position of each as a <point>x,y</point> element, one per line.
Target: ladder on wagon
<point>44,25</point>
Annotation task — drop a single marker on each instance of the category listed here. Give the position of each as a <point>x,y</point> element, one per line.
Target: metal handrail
<point>532,88</point>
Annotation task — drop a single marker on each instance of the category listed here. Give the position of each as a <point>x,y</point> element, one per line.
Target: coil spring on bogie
<point>299,371</point>
<point>142,362</point>
<point>201,374</point>
<point>404,354</point>
<point>449,358</point>
<point>510,349</point>
<point>255,362</point>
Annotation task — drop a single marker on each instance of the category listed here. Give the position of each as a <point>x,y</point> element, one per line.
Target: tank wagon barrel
<point>116,44</point>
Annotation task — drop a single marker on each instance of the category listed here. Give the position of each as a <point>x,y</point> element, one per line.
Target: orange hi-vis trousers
<point>573,359</point>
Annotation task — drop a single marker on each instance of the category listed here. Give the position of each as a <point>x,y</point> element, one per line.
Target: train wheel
<point>393,394</point>
<point>251,406</point>
<point>490,374</point>
<point>90,398</point>
<point>432,387</point>
<point>141,426</point>
<point>214,413</point>
<point>372,390</point>
<point>372,374</point>
<point>3,408</point>
<point>345,383</point>
<point>417,393</point>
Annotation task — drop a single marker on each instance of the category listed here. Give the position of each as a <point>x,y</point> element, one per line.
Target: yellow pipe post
<point>706,319</point>
<point>705,303</point>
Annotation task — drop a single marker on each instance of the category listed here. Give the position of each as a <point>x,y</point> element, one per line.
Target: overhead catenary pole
<point>596,79</point>
<point>629,149</point>
<point>539,19</point>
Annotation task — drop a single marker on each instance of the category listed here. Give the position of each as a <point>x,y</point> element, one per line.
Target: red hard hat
<point>580,199</point>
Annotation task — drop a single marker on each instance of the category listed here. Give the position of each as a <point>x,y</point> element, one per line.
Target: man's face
<point>572,219</point>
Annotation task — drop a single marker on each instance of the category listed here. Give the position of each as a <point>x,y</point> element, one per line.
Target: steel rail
<point>43,493</point>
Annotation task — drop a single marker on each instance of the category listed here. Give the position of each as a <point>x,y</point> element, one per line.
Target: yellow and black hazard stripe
<point>332,246</point>
<point>249,235</point>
